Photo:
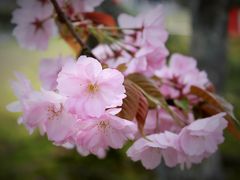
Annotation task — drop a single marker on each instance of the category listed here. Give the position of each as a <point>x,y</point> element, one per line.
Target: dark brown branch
<point>63,18</point>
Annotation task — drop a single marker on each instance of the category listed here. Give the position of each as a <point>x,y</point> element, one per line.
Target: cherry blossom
<point>49,70</point>
<point>22,89</point>
<point>96,135</point>
<point>147,60</point>
<point>200,139</point>
<point>44,110</point>
<point>142,48</point>
<point>194,143</point>
<point>145,29</point>
<point>203,135</point>
<point>90,88</point>
<point>107,55</point>
<point>34,24</point>
<point>153,148</point>
<point>74,7</point>
<point>158,120</point>
<point>180,75</point>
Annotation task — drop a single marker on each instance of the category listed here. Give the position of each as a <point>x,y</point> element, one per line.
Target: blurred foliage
<point>34,157</point>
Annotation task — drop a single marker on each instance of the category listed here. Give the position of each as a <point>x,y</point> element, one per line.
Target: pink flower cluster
<point>191,145</point>
<point>35,24</point>
<point>143,46</point>
<point>79,101</point>
<point>79,106</point>
<point>179,75</point>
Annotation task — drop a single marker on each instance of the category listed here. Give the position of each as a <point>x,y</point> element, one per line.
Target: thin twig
<point>110,28</point>
<point>62,17</point>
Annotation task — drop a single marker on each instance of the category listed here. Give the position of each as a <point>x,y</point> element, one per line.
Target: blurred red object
<point>234,22</point>
<point>116,1</point>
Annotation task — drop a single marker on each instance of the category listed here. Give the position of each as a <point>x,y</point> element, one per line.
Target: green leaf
<point>182,103</point>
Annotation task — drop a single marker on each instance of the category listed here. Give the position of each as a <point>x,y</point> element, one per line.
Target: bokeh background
<point>206,29</point>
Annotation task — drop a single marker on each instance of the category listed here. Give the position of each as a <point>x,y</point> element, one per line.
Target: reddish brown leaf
<point>149,89</point>
<point>130,103</point>
<point>206,96</point>
<point>134,105</point>
<point>100,18</point>
<point>211,87</point>
<point>142,112</point>
<point>213,105</point>
<point>152,94</point>
<point>70,40</point>
<point>210,110</point>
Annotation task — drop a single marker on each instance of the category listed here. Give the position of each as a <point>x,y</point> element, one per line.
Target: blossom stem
<point>63,18</point>
<point>171,113</point>
<point>117,28</point>
<point>106,28</point>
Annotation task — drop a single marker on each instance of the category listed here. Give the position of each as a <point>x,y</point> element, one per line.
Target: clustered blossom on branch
<point>127,90</point>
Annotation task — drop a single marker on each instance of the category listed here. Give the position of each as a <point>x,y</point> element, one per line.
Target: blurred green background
<point>33,157</point>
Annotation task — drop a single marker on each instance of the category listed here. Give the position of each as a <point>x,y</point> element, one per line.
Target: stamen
<point>103,125</point>
<point>37,24</point>
<point>92,88</point>
<point>53,113</point>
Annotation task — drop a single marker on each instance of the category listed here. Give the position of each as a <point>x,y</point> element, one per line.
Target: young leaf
<point>213,105</point>
<point>206,96</point>
<point>148,88</point>
<point>101,18</point>
<point>152,93</point>
<point>226,106</point>
<point>69,39</point>
<point>142,112</point>
<point>134,105</point>
<point>130,103</point>
<point>214,100</point>
<point>210,110</point>
<point>183,104</point>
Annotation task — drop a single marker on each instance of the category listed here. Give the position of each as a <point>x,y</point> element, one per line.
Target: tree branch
<point>62,17</point>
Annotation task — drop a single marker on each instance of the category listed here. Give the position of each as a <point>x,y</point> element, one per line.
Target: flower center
<point>103,126</point>
<point>38,24</point>
<point>92,88</point>
<point>53,112</point>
